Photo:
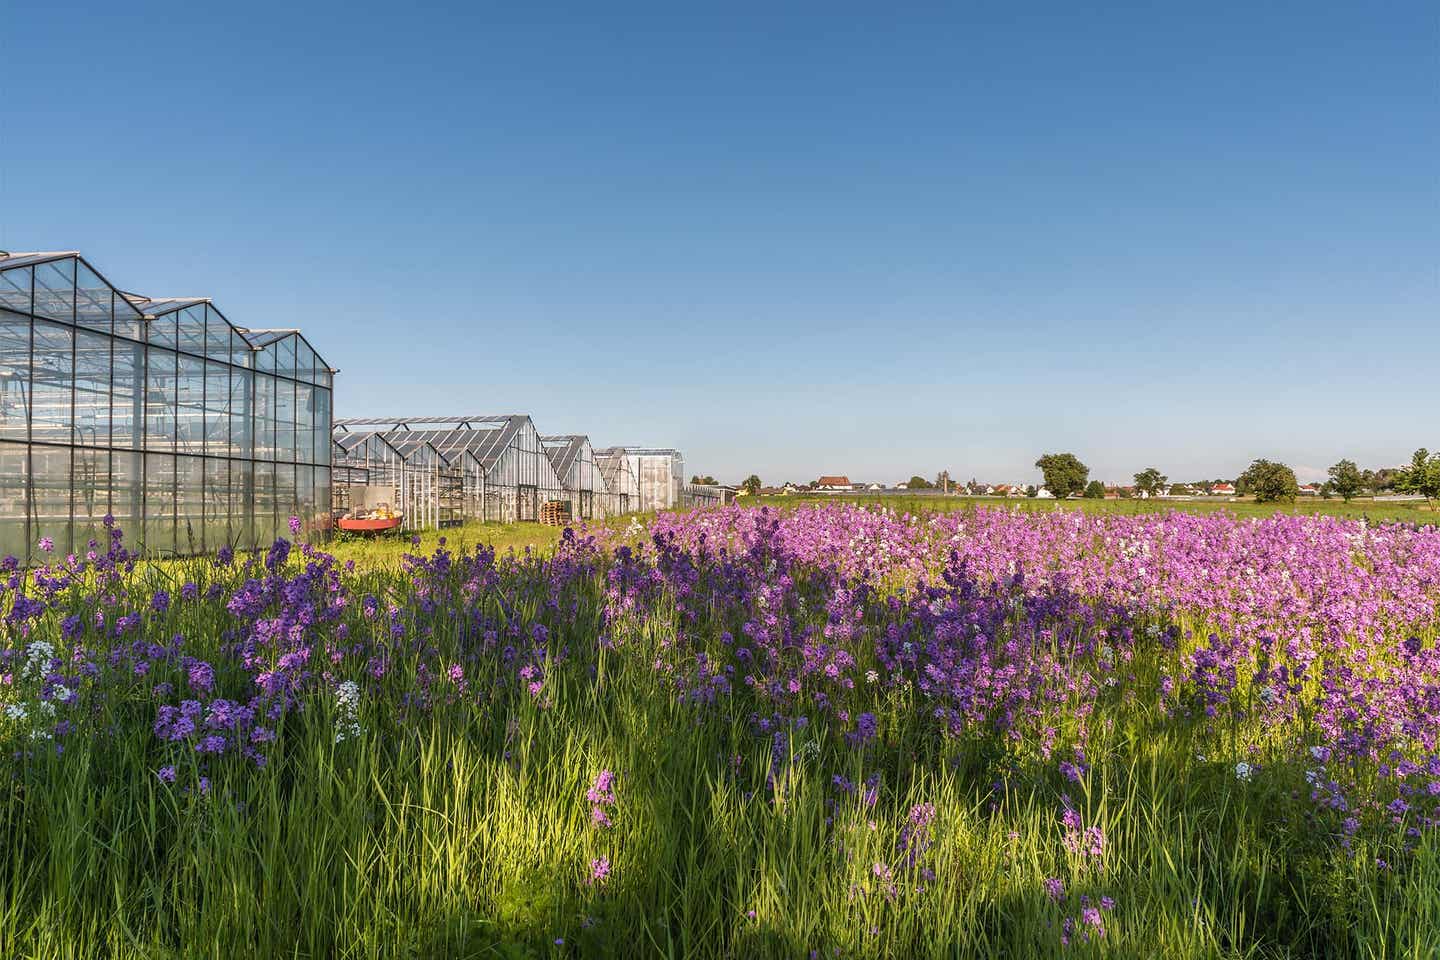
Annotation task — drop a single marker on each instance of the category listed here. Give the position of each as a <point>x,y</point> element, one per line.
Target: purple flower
<point>46,544</point>
<point>599,870</point>
<point>211,744</point>
<point>166,774</point>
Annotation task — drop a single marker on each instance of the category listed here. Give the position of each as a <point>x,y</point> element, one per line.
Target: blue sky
<point>787,238</point>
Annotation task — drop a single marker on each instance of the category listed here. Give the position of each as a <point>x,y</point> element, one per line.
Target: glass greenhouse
<point>191,432</point>
<point>488,467</point>
<point>584,483</point>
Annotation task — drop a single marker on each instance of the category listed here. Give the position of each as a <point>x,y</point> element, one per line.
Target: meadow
<point>828,730</point>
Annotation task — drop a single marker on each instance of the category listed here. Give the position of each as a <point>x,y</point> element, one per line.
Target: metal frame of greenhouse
<point>191,432</point>
<point>489,467</point>
<point>574,461</point>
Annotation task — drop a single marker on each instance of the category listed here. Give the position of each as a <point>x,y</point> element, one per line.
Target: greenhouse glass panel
<point>217,334</point>
<point>55,290</point>
<point>217,409</point>
<point>218,509</point>
<point>127,494</point>
<point>264,499</point>
<point>92,300</point>
<point>304,423</point>
<point>91,498</point>
<point>190,504</point>
<point>159,486</point>
<point>285,445</point>
<point>190,332</point>
<point>127,396</point>
<point>50,495</point>
<point>242,414</point>
<point>161,331</point>
<point>190,405</point>
<point>14,492</point>
<point>92,389</point>
<point>15,289</point>
<point>161,408</point>
<point>14,376</point>
<point>52,381</point>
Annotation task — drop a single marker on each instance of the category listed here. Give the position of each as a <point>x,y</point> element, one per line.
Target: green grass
<point>386,551</point>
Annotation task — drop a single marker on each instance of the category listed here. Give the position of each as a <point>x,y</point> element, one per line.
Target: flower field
<point>831,731</point>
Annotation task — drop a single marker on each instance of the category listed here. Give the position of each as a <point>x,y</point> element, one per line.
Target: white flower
<point>61,694</point>
<point>348,694</point>
<point>37,657</point>
<point>15,711</point>
<point>1312,777</point>
<point>871,676</point>
<point>347,711</point>
<point>1243,771</point>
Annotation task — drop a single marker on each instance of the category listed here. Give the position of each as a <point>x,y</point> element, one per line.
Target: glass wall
<point>189,432</point>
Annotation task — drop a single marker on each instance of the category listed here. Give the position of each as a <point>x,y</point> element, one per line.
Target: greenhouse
<point>574,461</point>
<point>620,479</point>
<point>191,432</point>
<point>659,476</point>
<point>489,468</point>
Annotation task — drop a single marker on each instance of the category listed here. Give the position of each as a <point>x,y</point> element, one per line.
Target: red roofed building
<point>1222,490</point>
<point>834,483</point>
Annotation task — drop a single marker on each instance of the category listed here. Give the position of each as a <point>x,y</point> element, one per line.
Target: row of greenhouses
<point>160,417</point>
<point>439,471</point>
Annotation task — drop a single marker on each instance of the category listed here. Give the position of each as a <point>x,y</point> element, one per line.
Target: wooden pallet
<point>555,513</point>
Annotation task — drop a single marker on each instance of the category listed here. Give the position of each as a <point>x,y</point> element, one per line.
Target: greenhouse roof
<point>485,444</point>
<point>77,293</point>
<point>564,450</point>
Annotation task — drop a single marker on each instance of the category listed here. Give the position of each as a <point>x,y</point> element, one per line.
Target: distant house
<point>876,486</point>
<point>1222,489</point>
<point>1309,490</point>
<point>1043,494</point>
<point>1112,493</point>
<point>789,489</point>
<point>834,484</point>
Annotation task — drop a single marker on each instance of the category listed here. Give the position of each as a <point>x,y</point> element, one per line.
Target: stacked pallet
<point>555,513</point>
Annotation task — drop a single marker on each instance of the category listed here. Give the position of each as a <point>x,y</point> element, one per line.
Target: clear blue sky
<point>872,239</point>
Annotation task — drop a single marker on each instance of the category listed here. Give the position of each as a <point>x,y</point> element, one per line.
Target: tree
<point>918,482</point>
<point>1032,491</point>
<point>1422,476</point>
<point>1269,482</point>
<point>1064,473</point>
<point>1345,479</point>
<point>751,485</point>
<point>1095,490</point>
<point>1150,481</point>
<point>705,481</point>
